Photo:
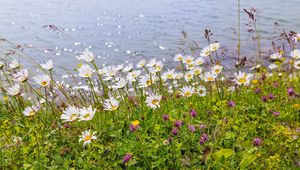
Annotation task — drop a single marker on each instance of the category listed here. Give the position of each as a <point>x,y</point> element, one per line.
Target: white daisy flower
<point>209,76</point>
<point>87,137</point>
<point>151,63</point>
<point>14,90</point>
<point>111,104</point>
<point>147,80</point>
<point>85,71</point>
<point>214,46</point>
<point>30,110</point>
<point>121,83</point>
<point>153,101</point>
<point>188,76</point>
<point>21,76</point>
<point>141,63</point>
<point>242,78</point>
<point>70,114</point>
<point>295,54</point>
<point>87,113</point>
<point>297,64</point>
<point>87,56</point>
<point>273,66</point>
<point>187,91</point>
<point>201,91</point>
<point>127,68</point>
<point>168,75</point>
<point>275,56</point>
<point>205,52</point>
<point>48,65</point>
<point>178,57</point>
<point>217,69</point>
<point>14,64</point>
<point>197,71</point>
<point>188,59</point>
<point>199,61</point>
<point>132,76</point>
<point>42,80</point>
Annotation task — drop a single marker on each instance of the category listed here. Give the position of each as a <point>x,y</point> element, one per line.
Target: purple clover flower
<point>257,141</point>
<point>127,158</point>
<point>193,112</point>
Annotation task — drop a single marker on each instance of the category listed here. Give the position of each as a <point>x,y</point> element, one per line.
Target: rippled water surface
<point>127,30</point>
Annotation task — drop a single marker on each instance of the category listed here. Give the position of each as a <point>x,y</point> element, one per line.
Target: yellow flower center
<point>113,107</point>
<point>188,61</point>
<point>154,101</point>
<point>169,76</point>
<point>87,115</point>
<point>135,122</point>
<point>44,83</point>
<point>73,117</point>
<point>87,138</point>
<point>242,80</point>
<point>31,113</point>
<point>210,79</point>
<point>188,93</point>
<point>217,70</point>
<point>149,82</point>
<point>87,75</point>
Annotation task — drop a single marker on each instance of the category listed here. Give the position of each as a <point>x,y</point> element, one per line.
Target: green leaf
<point>223,153</point>
<point>247,160</point>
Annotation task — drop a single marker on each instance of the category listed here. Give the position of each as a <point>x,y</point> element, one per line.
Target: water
<point>119,31</point>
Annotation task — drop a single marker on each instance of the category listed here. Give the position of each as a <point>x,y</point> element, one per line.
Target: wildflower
<point>290,91</point>
<point>85,71</point>
<point>70,114</point>
<point>264,98</point>
<point>48,65</point>
<point>191,128</point>
<point>42,80</point>
<point>158,66</point>
<point>17,140</point>
<point>127,68</point>
<point>217,69</point>
<point>193,112</point>
<point>231,103</point>
<point>134,125</point>
<point>21,76</point>
<point>151,63</point>
<point>201,91</point>
<point>178,57</point>
<point>257,90</point>
<point>197,71</point>
<point>214,46</point>
<point>257,141</point>
<point>165,117</point>
<point>30,110</point>
<point>178,123</point>
<point>127,158</point>
<point>141,63</point>
<point>87,137</point>
<point>187,91</point>
<point>274,113</point>
<point>188,76</point>
<point>297,65</point>
<point>14,64</point>
<point>121,83</point>
<point>209,76</point>
<point>203,139</point>
<point>275,56</point>
<point>147,80</point>
<point>14,90</point>
<point>87,113</point>
<point>169,75</point>
<point>270,96</point>
<point>272,66</point>
<point>174,131</point>
<point>111,104</point>
<point>153,101</point>
<point>188,59</point>
<point>295,54</point>
<point>199,61</point>
<point>242,78</point>
<point>87,56</point>
<point>131,76</point>
<point>205,52</point>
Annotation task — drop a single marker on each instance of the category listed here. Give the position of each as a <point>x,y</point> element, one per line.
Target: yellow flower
<point>135,122</point>
<point>254,81</point>
<point>296,106</point>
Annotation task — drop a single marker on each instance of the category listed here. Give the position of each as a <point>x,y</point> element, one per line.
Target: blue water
<point>120,31</point>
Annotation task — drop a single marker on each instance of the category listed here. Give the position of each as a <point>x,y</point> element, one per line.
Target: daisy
<point>158,66</point>
<point>297,64</point>
<point>214,46</point>
<point>121,83</point>
<point>209,76</point>
<point>14,90</point>
<point>168,75</point>
<point>151,63</point>
<point>87,56</point>
<point>87,137</point>
<point>178,57</point>
<point>85,71</point>
<point>127,68</point>
<point>153,101</point>
<point>21,76</point>
<point>190,66</point>
<point>30,110</point>
<point>188,76</point>
<point>147,80</point>
<point>199,61</point>
<point>141,63</point>
<point>295,54</point>
<point>205,52</point>
<point>178,76</point>
<point>131,76</point>
<point>188,59</point>
<point>217,69</point>
<point>87,113</point>
<point>48,65</point>
<point>70,114</point>
<point>42,80</point>
<point>111,104</point>
<point>242,78</point>
<point>187,91</point>
<point>201,91</point>
<point>273,66</point>
<point>197,71</point>
<point>14,64</point>
<point>275,56</point>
